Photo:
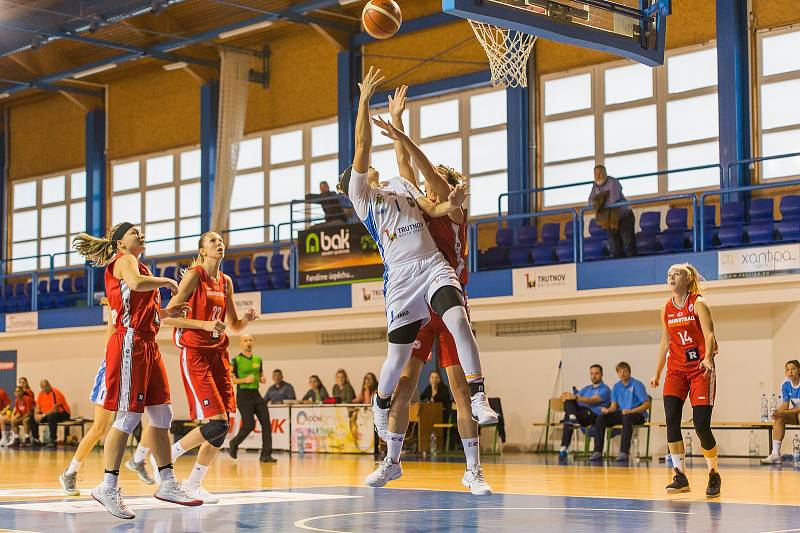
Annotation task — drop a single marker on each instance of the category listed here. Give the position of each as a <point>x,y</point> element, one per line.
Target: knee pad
<point>127,421</point>
<point>214,432</point>
<point>673,409</point>
<point>445,299</point>
<point>702,426</point>
<point>405,334</point>
<point>160,415</point>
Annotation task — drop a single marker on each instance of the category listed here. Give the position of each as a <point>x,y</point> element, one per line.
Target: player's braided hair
<point>99,250</point>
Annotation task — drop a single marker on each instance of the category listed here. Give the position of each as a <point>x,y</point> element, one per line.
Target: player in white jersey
<point>416,274</point>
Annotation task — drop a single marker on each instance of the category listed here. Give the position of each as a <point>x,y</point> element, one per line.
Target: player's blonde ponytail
<point>99,250</point>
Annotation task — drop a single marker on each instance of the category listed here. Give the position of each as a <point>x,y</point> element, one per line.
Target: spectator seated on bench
<point>582,407</point>
<point>787,412</point>
<point>629,407</point>
<point>51,408</point>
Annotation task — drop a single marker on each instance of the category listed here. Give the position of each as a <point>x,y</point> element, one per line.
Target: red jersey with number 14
<point>208,302</point>
<point>451,239</point>
<point>136,310</point>
<point>687,343</point>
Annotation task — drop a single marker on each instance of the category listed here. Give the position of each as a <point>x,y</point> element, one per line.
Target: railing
<point>521,192</point>
<point>473,236</point>
<point>685,196</point>
<point>737,164</point>
<point>747,188</point>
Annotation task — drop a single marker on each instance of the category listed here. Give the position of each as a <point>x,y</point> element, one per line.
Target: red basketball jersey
<point>687,343</point>
<point>208,302</point>
<point>137,310</point>
<point>451,239</point>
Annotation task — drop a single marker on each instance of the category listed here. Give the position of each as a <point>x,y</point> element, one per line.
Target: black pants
<point>613,419</point>
<point>622,241</point>
<point>585,417</point>
<point>52,421</point>
<point>250,403</point>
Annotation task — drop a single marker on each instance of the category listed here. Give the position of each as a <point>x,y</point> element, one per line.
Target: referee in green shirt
<point>247,375</point>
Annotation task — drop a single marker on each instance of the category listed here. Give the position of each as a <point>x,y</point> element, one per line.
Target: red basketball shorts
<point>700,388</point>
<point>435,329</point>
<point>135,373</point>
<point>207,379</point>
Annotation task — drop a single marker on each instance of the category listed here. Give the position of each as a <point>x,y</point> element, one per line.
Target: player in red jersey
<point>450,235</point>
<point>688,348</point>
<point>205,367</point>
<point>136,380</point>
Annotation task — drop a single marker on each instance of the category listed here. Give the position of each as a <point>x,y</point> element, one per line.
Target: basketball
<point>381,18</point>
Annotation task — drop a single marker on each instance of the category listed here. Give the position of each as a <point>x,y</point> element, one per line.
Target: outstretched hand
<point>398,104</point>
<point>459,194</point>
<point>180,310</point>
<point>387,130</point>
<point>370,82</point>
<point>252,315</point>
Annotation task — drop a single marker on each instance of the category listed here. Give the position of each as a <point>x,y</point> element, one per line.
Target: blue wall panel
<point>650,270</point>
<point>490,283</point>
<point>309,299</point>
<point>70,317</point>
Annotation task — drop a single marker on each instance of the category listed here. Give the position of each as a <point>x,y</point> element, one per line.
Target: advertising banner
<point>279,415</point>
<point>337,254</point>
<point>368,294</point>
<point>22,321</point>
<point>758,262</point>
<point>333,429</point>
<point>545,281</point>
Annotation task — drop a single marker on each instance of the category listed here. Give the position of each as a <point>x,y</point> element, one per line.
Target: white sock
<point>394,446</point>
<point>472,451</point>
<point>14,436</point>
<point>140,453</point>
<point>458,325</point>
<point>712,463</point>
<point>396,359</point>
<point>197,475</point>
<point>562,449</point>
<point>110,481</point>
<point>776,447</point>
<point>677,461</point>
<point>73,467</point>
<point>167,474</point>
<point>177,450</point>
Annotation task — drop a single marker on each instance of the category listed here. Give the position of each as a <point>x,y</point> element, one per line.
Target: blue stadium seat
<point>520,255</point>
<point>261,278</point>
<point>169,272</point>
<point>544,253</point>
<point>761,228</point>
<point>789,225</point>
<point>246,279</point>
<point>279,276</point>
<point>565,249</point>
<point>505,237</point>
<point>526,236</point>
<point>647,238</point>
<point>595,247</point>
<point>55,291</point>
<point>497,256</point>
<point>676,238</point>
<point>44,301</point>
<point>731,230</point>
<point>2,299</point>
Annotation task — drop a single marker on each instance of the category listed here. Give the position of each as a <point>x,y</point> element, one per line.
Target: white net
<point>508,52</point>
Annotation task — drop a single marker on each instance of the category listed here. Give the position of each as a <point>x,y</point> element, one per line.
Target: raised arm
<point>363,126</point>
<point>663,349</point>
<point>127,269</point>
<point>396,107</point>
<point>232,316</point>
<point>455,200</point>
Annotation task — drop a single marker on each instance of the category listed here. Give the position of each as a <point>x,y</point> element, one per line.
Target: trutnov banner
<point>330,255</point>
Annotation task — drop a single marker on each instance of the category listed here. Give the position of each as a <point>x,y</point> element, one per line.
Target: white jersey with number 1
<point>393,219</point>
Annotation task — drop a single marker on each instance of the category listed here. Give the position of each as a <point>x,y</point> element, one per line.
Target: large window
<point>162,193</point>
<point>779,86</point>
<point>634,120</point>
<point>46,213</point>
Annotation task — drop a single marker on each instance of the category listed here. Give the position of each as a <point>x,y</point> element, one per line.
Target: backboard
<point>634,29</point>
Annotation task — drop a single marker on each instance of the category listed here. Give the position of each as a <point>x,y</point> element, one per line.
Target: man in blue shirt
<point>788,411</point>
<point>629,405</point>
<point>620,222</point>
<point>582,407</point>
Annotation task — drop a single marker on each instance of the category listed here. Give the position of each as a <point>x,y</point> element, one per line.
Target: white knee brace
<point>127,421</point>
<point>160,415</point>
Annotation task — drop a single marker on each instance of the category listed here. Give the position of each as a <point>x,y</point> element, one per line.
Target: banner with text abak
<point>545,281</point>
<point>336,254</point>
<point>777,260</point>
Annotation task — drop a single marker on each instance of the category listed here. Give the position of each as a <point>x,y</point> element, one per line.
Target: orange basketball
<point>381,18</point>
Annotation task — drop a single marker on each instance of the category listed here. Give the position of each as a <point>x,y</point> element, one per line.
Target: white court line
<point>781,531</point>
<point>148,502</point>
<point>303,524</point>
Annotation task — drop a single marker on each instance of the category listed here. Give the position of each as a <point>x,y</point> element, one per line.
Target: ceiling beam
<point>34,67</point>
<point>302,18</point>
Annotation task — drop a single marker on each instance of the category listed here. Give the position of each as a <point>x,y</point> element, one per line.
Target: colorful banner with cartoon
<point>333,429</point>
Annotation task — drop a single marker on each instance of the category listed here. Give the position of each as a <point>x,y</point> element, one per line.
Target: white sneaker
<point>140,470</point>
<point>474,481</point>
<point>69,483</point>
<point>6,440</point>
<point>112,501</point>
<point>200,493</point>
<point>156,475</point>
<point>381,419</point>
<point>173,492</point>
<point>772,459</point>
<point>481,412</point>
<point>387,471</point>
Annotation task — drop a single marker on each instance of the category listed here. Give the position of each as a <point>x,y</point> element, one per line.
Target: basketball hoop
<point>508,52</point>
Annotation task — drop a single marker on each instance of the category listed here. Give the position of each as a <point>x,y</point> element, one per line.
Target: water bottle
<point>636,456</point>
<point>301,444</point>
<point>433,444</point>
<point>668,460</point>
<point>687,446</point>
<point>753,445</point>
<point>773,406</point>
<point>764,408</point>
<point>796,451</point>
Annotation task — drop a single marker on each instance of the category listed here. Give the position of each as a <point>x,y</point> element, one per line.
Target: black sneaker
<point>680,483</point>
<point>267,459</point>
<point>233,451</point>
<point>714,484</point>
